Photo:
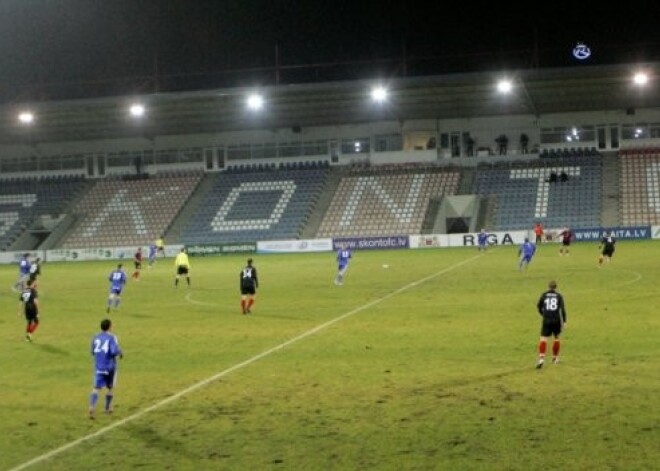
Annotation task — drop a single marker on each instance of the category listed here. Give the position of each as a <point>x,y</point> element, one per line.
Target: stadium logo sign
<point>493,239</point>
<point>581,51</point>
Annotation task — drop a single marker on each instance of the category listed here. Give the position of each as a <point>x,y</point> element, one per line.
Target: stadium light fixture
<point>379,94</point>
<point>640,78</point>
<point>504,86</point>
<point>26,117</point>
<point>255,102</point>
<point>137,110</point>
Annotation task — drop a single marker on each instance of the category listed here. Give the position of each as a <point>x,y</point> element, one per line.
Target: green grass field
<point>427,364</point>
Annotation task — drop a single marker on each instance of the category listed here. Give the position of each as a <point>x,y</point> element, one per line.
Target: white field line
<point>237,366</point>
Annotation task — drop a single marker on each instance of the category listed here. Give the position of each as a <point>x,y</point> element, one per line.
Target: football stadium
<point>397,321</point>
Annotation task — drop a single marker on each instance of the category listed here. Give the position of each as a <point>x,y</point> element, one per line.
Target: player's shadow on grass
<point>51,349</point>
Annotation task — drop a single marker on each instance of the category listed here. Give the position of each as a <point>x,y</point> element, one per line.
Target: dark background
<point>62,49</point>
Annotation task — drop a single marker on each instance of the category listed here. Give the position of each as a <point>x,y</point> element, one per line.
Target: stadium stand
<point>385,200</point>
<point>24,200</point>
<point>527,192</point>
<point>256,203</point>
<point>119,212</point>
<point>640,186</point>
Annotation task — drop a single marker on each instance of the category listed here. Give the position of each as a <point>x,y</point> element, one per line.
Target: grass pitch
<point>426,364</point>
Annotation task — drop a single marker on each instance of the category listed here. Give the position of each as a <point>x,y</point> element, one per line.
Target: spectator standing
<point>524,141</point>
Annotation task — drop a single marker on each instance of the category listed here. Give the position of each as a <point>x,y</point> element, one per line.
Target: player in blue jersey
<point>343,256</point>
<point>117,281</point>
<point>526,252</point>
<point>105,350</point>
<point>23,272</point>
<point>482,240</point>
<point>153,250</point>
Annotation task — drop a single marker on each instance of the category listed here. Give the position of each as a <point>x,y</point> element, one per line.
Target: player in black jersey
<point>30,303</point>
<point>248,286</point>
<point>553,310</point>
<point>607,247</point>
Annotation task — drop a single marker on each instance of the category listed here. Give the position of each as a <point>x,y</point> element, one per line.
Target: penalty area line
<point>238,366</point>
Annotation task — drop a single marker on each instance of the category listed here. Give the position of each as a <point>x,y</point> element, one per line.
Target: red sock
<point>250,303</point>
<point>243,304</point>
<point>32,326</point>
<point>555,348</point>
<point>542,345</point>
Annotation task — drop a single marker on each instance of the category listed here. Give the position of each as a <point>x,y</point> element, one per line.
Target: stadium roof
<point>538,92</point>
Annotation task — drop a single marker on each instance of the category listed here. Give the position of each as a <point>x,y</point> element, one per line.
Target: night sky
<point>60,49</point>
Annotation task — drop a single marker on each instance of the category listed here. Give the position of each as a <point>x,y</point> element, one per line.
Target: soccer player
<point>249,282</point>
<point>153,250</point>
<point>538,232</point>
<point>137,261</point>
<point>482,240</point>
<point>23,272</point>
<point>566,236</point>
<point>105,350</point>
<point>117,280</point>
<point>160,246</point>
<point>182,265</point>
<point>343,256</point>
<point>553,310</point>
<point>30,303</point>
<point>35,269</point>
<point>526,252</point>
<point>607,246</point>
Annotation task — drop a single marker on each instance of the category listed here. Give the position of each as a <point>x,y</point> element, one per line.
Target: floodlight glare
<point>504,86</point>
<point>137,110</point>
<point>379,94</point>
<point>26,117</point>
<point>641,78</point>
<point>255,102</point>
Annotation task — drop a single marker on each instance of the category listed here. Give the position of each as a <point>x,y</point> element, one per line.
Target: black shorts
<point>551,328</point>
<point>138,265</point>
<point>248,290</point>
<point>181,270</point>
<point>608,252</point>
<point>566,243</point>
<point>31,315</point>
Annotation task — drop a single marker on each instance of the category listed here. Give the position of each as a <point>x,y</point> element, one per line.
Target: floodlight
<point>504,86</point>
<point>137,110</point>
<point>255,102</point>
<point>26,117</point>
<point>641,78</point>
<point>379,94</point>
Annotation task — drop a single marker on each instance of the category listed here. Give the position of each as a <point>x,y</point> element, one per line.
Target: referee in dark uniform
<point>553,310</point>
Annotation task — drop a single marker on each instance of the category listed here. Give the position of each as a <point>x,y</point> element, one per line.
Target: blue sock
<point>108,401</point>
<point>93,399</point>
